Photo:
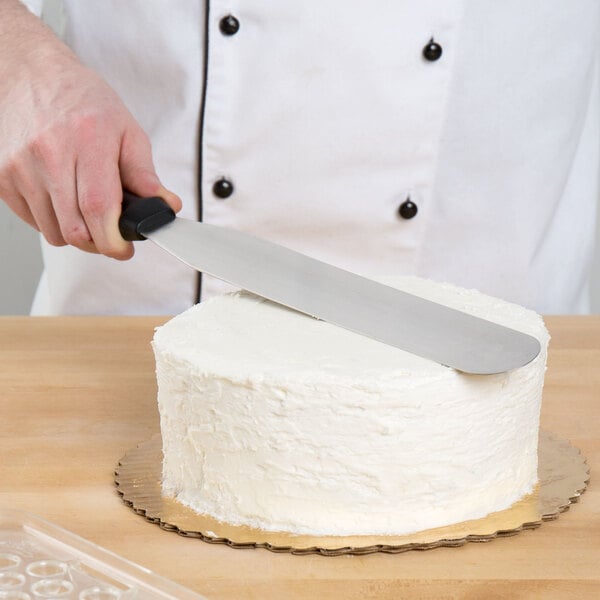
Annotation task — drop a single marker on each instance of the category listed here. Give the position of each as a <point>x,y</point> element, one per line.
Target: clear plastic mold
<point>40,560</point>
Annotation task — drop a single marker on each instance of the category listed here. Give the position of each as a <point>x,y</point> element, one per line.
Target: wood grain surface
<point>77,393</point>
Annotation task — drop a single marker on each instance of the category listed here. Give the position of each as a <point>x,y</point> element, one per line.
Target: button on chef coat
<point>325,117</point>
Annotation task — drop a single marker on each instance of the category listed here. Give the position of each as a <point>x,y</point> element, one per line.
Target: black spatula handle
<point>143,215</point>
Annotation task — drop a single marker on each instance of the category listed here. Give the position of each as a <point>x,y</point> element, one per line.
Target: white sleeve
<point>35,6</point>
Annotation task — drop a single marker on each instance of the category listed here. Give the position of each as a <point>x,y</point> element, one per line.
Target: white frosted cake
<point>282,422</point>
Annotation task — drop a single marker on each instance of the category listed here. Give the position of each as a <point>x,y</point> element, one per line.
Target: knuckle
<point>54,238</point>
<point>144,177</point>
<point>67,132</point>
<point>76,235</point>
<point>93,204</point>
<point>7,191</point>
<point>42,146</point>
<point>87,125</point>
<point>91,126</point>
<point>136,146</point>
<point>135,134</point>
<point>9,167</point>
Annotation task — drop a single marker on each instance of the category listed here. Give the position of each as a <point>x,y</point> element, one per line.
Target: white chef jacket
<point>326,118</point>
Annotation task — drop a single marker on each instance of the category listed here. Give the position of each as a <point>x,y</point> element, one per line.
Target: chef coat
<point>454,140</point>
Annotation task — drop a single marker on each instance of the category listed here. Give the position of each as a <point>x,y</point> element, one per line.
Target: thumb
<point>137,171</point>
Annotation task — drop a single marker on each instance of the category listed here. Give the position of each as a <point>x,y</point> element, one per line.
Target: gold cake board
<point>563,475</point>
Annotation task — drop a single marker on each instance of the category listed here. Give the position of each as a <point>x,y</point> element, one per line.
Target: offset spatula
<point>419,326</point>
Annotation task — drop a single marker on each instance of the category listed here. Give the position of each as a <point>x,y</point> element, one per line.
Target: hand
<point>69,147</point>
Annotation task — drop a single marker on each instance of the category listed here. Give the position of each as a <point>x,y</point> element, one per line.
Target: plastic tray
<point>41,560</point>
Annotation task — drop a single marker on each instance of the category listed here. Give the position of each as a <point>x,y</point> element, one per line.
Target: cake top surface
<point>240,335</point>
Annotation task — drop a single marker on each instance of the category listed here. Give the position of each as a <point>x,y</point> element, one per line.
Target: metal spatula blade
<point>422,327</point>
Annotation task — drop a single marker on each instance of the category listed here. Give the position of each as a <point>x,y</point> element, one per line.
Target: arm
<point>68,144</point>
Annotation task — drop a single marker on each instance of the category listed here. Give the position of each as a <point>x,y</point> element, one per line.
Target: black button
<point>408,209</point>
<point>223,188</point>
<point>432,51</point>
<point>229,25</point>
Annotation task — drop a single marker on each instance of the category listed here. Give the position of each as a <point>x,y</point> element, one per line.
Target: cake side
<point>282,422</point>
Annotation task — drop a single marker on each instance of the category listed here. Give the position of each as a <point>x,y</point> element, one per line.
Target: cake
<point>282,422</point>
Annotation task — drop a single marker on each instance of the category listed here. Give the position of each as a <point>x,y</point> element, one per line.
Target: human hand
<point>69,147</point>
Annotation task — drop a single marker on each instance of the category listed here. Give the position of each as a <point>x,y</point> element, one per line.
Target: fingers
<point>99,192</point>
<point>40,206</point>
<point>33,202</point>
<point>64,201</point>
<point>100,196</point>
<point>19,206</point>
<point>56,211</point>
<point>102,174</point>
<point>46,179</point>
<point>15,201</point>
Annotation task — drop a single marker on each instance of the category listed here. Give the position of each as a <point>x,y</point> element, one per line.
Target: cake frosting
<point>276,420</point>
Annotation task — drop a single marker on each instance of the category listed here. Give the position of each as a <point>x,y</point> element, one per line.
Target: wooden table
<point>77,393</point>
